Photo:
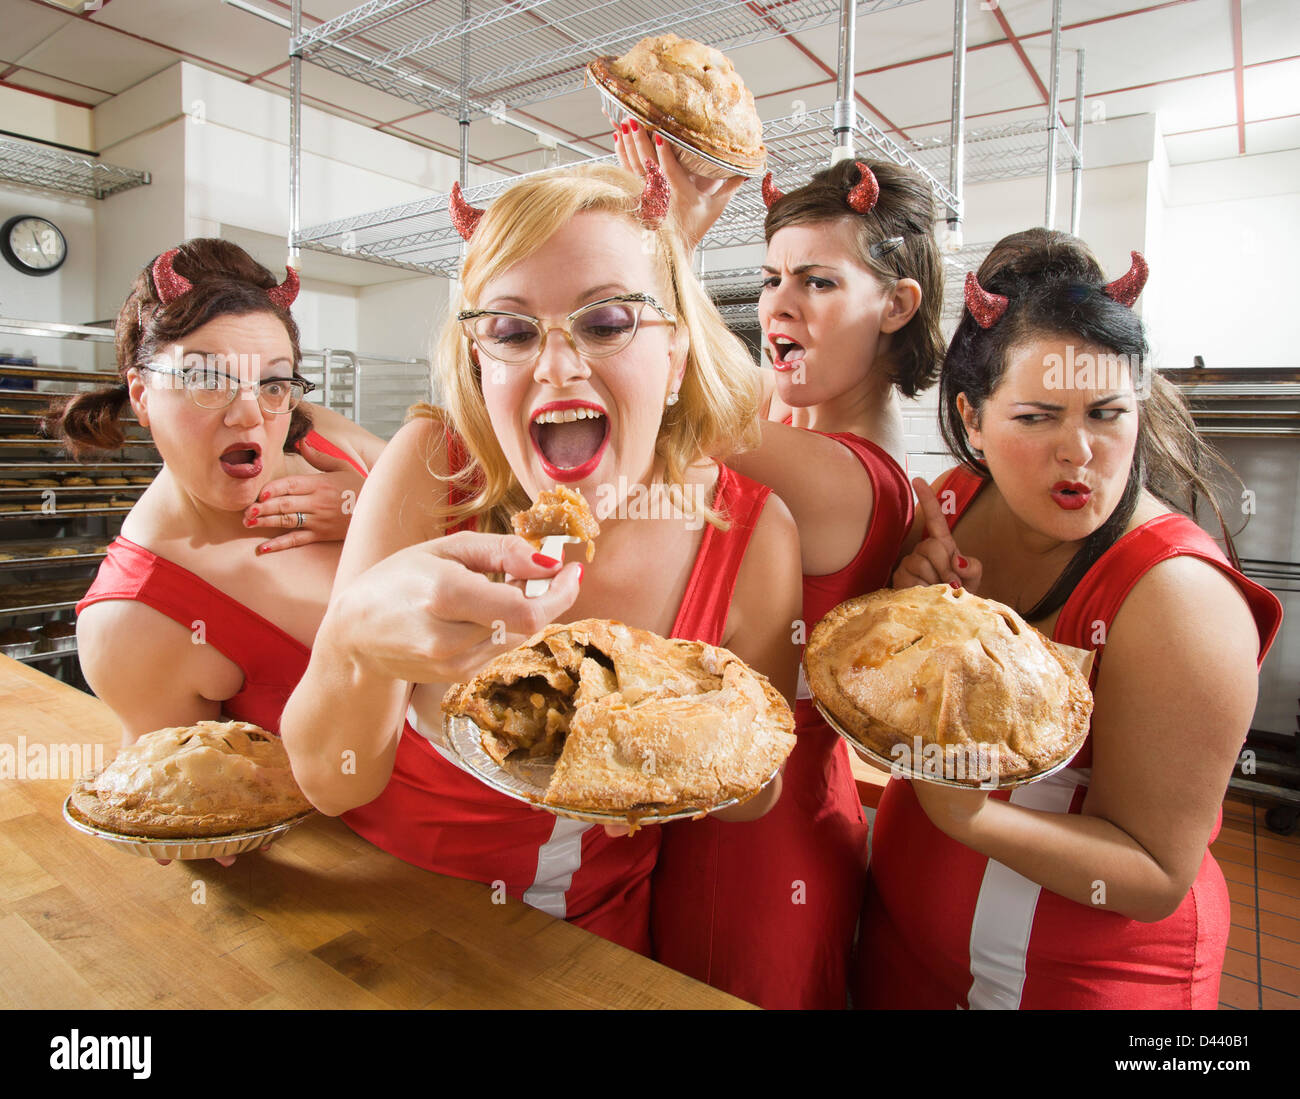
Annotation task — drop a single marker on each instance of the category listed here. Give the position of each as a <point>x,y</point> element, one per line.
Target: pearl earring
<point>672,400</point>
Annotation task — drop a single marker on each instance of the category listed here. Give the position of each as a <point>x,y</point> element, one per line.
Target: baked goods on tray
<point>944,671</point>
<point>215,778</point>
<point>560,510</point>
<point>641,724</point>
<point>693,94</point>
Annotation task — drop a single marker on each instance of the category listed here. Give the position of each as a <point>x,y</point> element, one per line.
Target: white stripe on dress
<point>1004,910</point>
<point>558,859</point>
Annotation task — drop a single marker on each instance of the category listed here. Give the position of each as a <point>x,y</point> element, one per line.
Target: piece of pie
<point>641,723</point>
<point>558,510</point>
<point>690,91</point>
<point>942,672</point>
<point>216,778</point>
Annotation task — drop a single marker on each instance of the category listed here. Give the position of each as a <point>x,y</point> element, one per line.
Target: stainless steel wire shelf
<point>439,56</point>
<point>732,283</point>
<point>1013,151</point>
<point>52,169</point>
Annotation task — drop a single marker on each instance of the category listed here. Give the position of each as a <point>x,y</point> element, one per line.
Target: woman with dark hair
<point>850,305</point>
<point>1094,887</point>
<point>214,624</point>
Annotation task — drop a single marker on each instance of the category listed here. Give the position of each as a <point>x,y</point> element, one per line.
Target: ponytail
<point>88,421</point>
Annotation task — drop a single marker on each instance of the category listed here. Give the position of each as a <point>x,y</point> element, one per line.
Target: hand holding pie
<point>936,559</point>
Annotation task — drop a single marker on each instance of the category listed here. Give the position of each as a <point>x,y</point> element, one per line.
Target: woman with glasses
<point>850,301</point>
<point>584,353</point>
<point>215,626</point>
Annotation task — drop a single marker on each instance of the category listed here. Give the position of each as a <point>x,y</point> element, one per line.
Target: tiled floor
<point>1262,969</point>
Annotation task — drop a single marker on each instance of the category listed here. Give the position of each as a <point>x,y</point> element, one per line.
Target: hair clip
<point>885,247</point>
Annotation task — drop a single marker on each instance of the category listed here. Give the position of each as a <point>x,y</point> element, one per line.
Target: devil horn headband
<point>861,198</point>
<point>771,192</point>
<point>987,308</point>
<point>170,285</point>
<point>651,209</point>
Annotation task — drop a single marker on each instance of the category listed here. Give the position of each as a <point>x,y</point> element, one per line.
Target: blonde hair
<point>717,409</point>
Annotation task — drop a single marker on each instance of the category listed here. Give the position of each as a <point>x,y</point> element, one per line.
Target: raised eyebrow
<point>1107,400</point>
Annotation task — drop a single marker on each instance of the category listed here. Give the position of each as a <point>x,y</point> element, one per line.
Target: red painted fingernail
<point>633,125</point>
<point>544,561</point>
<point>955,583</point>
<point>962,563</point>
<point>623,127</point>
<point>615,135</point>
<point>579,574</point>
<point>658,140</point>
<point>264,497</point>
<point>253,514</point>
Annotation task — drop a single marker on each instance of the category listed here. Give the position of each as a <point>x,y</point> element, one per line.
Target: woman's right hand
<point>935,559</point>
<point>430,614</point>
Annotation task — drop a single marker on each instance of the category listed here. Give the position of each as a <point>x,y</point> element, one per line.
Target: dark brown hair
<point>1055,287</point>
<point>905,208</point>
<point>226,281</point>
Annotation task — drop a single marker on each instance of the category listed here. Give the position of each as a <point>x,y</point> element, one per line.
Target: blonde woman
<point>584,353</point>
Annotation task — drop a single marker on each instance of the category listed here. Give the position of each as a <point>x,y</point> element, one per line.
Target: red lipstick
<point>567,474</point>
<point>1071,495</point>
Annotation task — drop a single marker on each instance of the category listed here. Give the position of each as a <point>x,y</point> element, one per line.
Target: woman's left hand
<point>314,507</point>
<point>697,201</point>
<point>954,812</point>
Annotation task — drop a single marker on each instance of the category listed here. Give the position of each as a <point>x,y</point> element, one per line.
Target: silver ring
<point>302,519</point>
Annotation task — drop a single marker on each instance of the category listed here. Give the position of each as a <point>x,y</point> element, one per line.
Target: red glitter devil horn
<point>864,194</point>
<point>986,308</point>
<point>166,281</point>
<point>771,192</point>
<point>1126,289</point>
<point>653,207</point>
<point>284,294</point>
<point>464,217</point>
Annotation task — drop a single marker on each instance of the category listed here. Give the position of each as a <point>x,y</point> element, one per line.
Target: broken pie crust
<point>558,510</point>
<point>937,666</point>
<point>214,778</point>
<point>643,725</point>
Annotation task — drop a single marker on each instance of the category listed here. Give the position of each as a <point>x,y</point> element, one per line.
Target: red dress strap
<point>272,661</point>
<point>964,486</point>
<point>702,615</point>
<point>318,441</point>
<point>1097,598</point>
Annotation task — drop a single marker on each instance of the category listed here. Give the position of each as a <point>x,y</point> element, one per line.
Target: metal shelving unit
<point>51,169</point>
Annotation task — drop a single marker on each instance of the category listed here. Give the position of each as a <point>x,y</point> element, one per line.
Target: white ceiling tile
<point>1270,137</point>
<point>1207,145</point>
<point>1185,105</point>
<point>376,105</point>
<point>24,78</point>
<point>1269,29</point>
<point>1272,90</point>
<point>207,30</point>
<point>26,25</point>
<point>98,56</point>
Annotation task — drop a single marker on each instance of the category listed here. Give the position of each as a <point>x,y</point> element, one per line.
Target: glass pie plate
<point>692,158</point>
<point>527,779</point>
<point>173,847</point>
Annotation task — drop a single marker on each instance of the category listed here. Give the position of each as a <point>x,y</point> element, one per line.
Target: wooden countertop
<point>322,919</point>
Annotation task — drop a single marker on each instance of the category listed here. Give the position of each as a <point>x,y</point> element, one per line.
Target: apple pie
<point>216,778</point>
<point>690,91</point>
<point>639,722</point>
<point>559,510</point>
<point>937,667</point>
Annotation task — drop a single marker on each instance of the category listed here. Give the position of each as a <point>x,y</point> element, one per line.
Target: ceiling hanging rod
<point>842,127</point>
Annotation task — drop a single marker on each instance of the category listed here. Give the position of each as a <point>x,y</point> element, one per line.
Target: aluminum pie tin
<point>527,779</point>
<point>205,847</point>
<point>896,769</point>
<point>692,159</point>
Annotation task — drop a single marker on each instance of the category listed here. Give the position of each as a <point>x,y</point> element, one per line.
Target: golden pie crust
<point>640,722</point>
<point>559,510</point>
<point>690,91</point>
<point>950,668</point>
<point>216,778</point>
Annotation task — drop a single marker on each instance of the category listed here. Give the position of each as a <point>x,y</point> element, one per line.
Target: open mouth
<point>242,460</point>
<point>1070,495</point>
<point>570,438</point>
<point>786,353</point>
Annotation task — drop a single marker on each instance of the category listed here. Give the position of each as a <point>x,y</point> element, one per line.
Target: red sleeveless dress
<point>943,926</point>
<point>272,661</point>
<point>436,815</point>
<point>766,910</point>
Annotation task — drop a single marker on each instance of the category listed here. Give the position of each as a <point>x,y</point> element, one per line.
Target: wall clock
<point>33,245</point>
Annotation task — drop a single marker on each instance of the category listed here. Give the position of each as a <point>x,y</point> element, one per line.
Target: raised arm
<point>1173,705</point>
<point>406,608</point>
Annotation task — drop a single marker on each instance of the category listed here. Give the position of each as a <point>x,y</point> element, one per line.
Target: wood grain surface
<point>320,920</point>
